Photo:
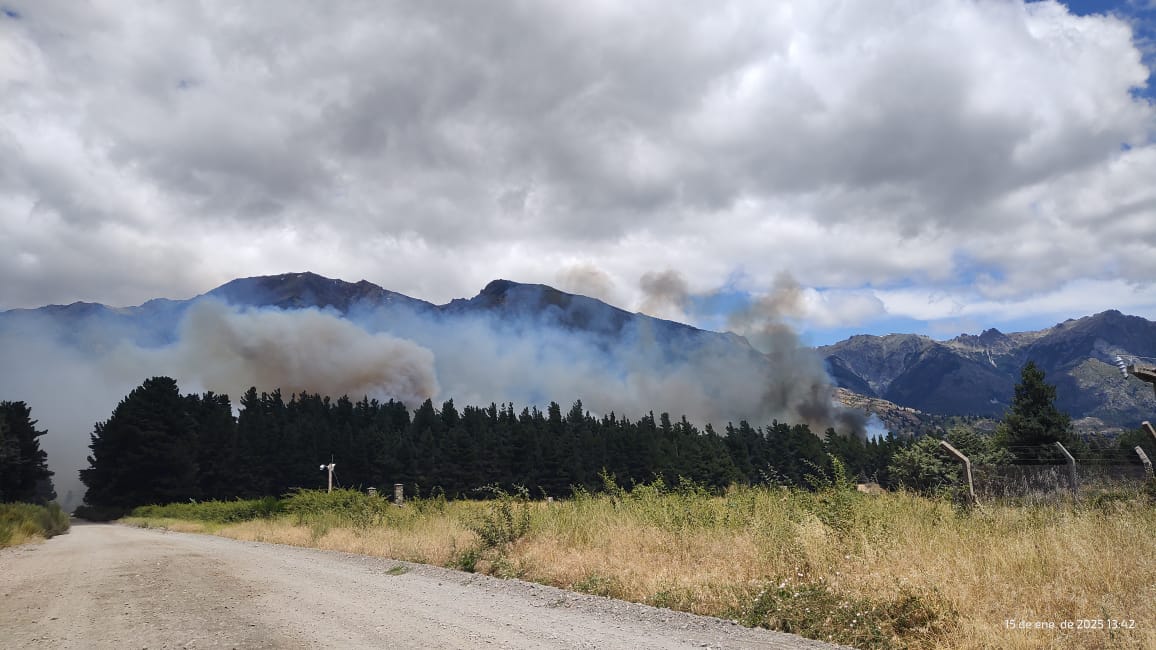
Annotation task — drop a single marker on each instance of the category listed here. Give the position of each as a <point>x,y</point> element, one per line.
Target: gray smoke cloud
<point>793,381</point>
<point>226,351</point>
<point>587,280</point>
<point>664,292</point>
<point>482,359</point>
<point>799,385</point>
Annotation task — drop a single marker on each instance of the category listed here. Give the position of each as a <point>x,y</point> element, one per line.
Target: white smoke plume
<point>481,359</point>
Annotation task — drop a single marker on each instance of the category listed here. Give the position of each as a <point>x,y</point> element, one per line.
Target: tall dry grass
<point>21,523</point>
<point>893,570</point>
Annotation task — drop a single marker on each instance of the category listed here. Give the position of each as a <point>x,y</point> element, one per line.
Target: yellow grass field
<point>872,571</point>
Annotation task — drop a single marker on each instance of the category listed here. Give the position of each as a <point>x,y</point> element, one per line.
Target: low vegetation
<point>23,522</point>
<point>895,570</point>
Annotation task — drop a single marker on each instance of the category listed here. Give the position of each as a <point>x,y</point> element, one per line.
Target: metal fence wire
<point>1022,481</point>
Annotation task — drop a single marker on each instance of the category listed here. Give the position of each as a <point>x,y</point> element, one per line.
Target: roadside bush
<point>506,521</point>
<point>21,521</point>
<point>221,512</point>
<point>814,610</point>
<point>321,510</point>
<point>97,513</point>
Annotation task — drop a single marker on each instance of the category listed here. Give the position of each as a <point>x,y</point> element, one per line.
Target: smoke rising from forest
<point>393,352</point>
<point>794,381</point>
<point>226,351</point>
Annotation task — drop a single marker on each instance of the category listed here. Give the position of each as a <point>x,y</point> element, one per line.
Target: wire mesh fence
<point>1042,482</point>
<point>1001,482</point>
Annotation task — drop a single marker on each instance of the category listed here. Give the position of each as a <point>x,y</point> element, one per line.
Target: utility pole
<point>330,467</point>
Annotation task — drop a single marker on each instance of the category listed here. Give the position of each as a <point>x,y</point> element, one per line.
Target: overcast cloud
<point>935,159</point>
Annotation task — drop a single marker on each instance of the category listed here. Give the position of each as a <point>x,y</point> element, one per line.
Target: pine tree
<point>24,473</point>
<point>217,457</point>
<point>146,452</point>
<point>1033,423</point>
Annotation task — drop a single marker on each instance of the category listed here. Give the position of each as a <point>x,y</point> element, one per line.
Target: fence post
<point>398,494</point>
<point>1144,459</point>
<point>966,466</point>
<point>1074,480</point>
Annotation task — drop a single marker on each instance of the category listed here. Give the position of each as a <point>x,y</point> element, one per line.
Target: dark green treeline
<point>24,473</point>
<point>160,446</point>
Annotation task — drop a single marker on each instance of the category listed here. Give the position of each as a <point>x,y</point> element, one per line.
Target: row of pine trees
<point>161,446</point>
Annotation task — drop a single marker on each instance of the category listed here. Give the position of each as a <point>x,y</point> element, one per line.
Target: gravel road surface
<point>108,586</point>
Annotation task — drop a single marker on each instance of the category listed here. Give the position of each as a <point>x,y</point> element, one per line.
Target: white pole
<point>330,467</point>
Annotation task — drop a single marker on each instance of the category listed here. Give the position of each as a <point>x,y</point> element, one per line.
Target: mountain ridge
<point>965,375</point>
<point>976,374</point>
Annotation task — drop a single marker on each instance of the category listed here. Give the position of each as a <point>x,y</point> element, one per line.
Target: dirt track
<point>105,586</point>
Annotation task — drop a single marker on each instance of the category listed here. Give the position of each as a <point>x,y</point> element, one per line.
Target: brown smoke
<point>305,350</point>
<point>664,292</point>
<point>587,280</point>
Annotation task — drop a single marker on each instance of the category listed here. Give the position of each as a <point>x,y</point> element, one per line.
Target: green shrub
<point>835,497</point>
<point>22,520</point>
<point>506,521</point>
<point>221,512</point>
<point>322,510</point>
<point>813,610</point>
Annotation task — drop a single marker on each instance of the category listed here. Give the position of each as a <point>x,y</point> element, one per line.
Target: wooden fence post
<point>966,466</point>
<point>398,494</point>
<point>1074,480</point>
<point>1144,459</point>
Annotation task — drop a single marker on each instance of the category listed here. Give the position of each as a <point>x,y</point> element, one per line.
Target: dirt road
<point>105,586</point>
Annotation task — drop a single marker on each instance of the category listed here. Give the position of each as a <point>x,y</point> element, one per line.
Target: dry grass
<point>435,540</point>
<point>895,570</point>
<point>23,523</point>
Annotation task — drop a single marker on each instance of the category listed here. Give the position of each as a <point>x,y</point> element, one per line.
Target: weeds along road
<point>108,586</point>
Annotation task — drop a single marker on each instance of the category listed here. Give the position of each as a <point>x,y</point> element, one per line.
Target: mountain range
<point>967,375</point>
<point>976,374</point>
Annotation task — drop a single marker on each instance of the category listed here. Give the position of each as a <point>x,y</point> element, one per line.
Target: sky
<point>929,166</point>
